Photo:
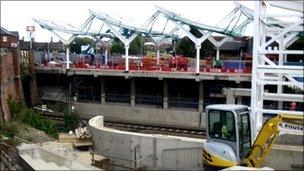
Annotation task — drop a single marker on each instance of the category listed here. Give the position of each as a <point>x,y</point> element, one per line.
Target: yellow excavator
<point>229,141</point>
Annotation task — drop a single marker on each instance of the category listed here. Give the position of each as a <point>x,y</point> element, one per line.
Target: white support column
<point>254,76</point>
<point>157,55</point>
<point>217,53</point>
<point>67,57</point>
<point>127,57</point>
<point>230,98</point>
<point>197,69</point>
<point>106,56</point>
<point>280,78</point>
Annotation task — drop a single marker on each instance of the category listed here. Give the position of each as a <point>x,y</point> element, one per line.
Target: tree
<point>207,49</point>
<point>135,48</point>
<point>117,46</point>
<point>186,47</point>
<point>75,46</point>
<point>137,45</point>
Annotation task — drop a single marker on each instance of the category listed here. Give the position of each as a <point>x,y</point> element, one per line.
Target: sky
<point>16,15</point>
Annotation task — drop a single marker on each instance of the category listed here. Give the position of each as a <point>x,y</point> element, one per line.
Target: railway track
<point>140,128</point>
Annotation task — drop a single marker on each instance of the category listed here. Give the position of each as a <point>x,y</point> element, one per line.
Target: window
<point>244,134</point>
<point>221,125</point>
<point>4,39</point>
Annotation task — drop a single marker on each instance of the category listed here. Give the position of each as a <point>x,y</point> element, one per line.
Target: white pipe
<point>280,76</point>
<point>127,58</point>
<point>217,53</point>
<point>67,58</point>
<point>158,56</point>
<point>106,56</point>
<point>198,47</point>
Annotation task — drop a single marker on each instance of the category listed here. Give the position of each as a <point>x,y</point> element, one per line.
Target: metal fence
<point>183,102</point>
<point>182,158</point>
<point>149,100</point>
<point>118,98</point>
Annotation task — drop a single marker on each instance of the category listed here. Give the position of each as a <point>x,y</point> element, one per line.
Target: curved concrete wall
<point>151,151</point>
<point>156,151</point>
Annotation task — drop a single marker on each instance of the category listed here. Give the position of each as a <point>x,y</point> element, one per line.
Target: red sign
<point>30,28</point>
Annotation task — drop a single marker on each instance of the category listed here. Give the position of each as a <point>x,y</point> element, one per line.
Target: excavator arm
<point>266,138</point>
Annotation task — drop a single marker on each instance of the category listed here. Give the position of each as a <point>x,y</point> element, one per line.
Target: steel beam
<point>284,97</point>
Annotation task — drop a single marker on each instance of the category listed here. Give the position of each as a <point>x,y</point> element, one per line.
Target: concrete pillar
<point>106,56</point>
<point>239,98</point>
<point>280,78</point>
<point>200,97</point>
<point>166,95</point>
<point>67,57</point>
<point>102,91</point>
<point>127,58</point>
<point>132,92</point>
<point>230,99</point>
<point>154,152</point>
<point>198,47</point>
<point>217,53</point>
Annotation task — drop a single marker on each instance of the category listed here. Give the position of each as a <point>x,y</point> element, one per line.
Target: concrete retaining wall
<point>143,115</point>
<point>134,150</point>
<point>169,152</point>
<point>285,157</point>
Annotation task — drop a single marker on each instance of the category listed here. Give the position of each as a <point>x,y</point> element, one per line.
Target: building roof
<point>4,31</point>
<point>230,46</point>
<point>25,45</point>
<point>235,44</point>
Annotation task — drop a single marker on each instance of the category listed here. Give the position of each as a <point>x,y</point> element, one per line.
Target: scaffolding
<point>266,72</point>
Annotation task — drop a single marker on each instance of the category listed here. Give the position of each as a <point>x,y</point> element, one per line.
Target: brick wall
<point>10,80</point>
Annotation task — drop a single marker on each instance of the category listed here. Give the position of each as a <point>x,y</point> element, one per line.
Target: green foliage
<point>137,45</point>
<point>75,46</point>
<point>186,47</point>
<point>71,120</point>
<point>9,128</point>
<point>207,49</point>
<point>21,113</point>
<point>117,46</point>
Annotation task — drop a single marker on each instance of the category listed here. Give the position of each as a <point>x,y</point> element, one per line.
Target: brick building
<point>10,71</point>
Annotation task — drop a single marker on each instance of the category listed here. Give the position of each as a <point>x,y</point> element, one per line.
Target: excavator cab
<point>228,132</point>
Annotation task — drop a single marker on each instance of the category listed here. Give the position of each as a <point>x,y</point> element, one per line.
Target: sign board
<point>30,31</point>
<point>288,127</point>
<point>30,28</point>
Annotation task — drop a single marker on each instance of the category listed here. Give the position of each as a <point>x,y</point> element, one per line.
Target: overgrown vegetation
<point>23,118</point>
<point>22,113</point>
<point>71,120</point>
<point>9,128</point>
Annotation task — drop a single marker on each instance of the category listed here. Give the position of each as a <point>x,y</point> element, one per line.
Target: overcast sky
<point>16,15</point>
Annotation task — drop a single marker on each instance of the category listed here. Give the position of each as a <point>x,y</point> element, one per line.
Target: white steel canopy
<point>237,20</point>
